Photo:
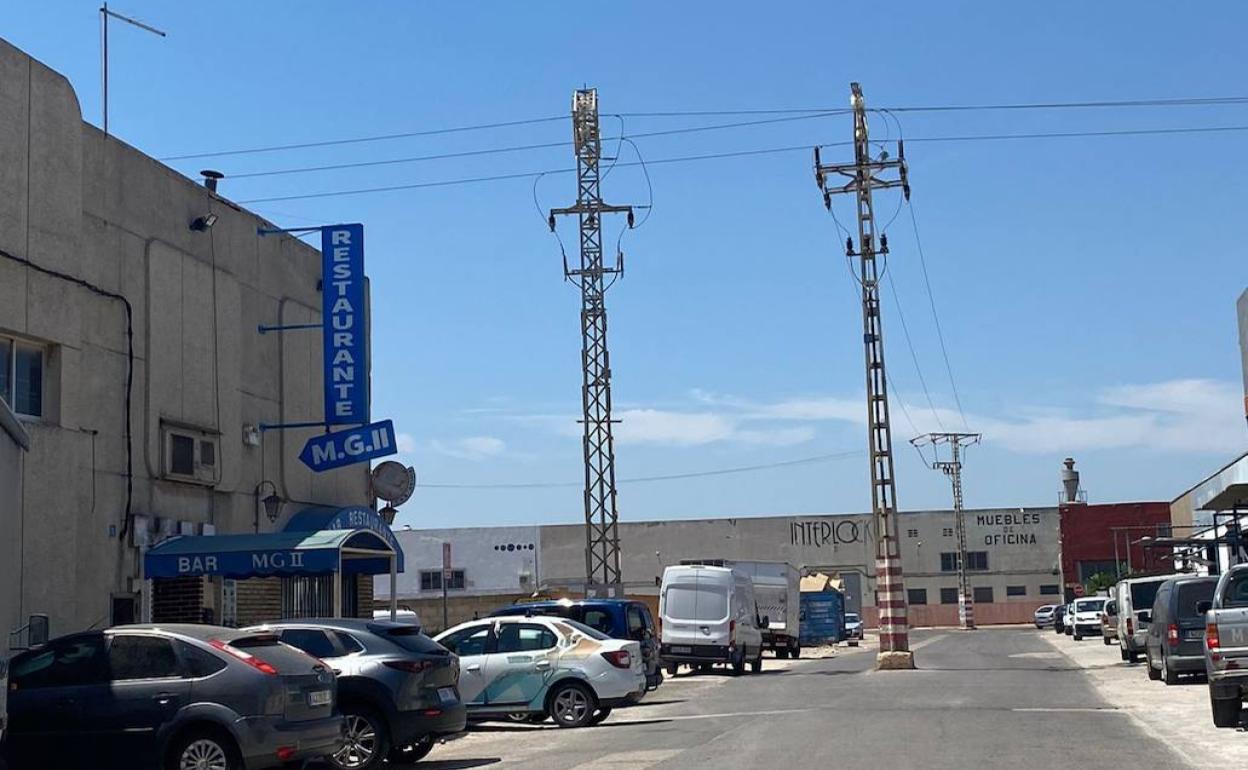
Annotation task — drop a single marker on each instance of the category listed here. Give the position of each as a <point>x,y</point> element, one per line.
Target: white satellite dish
<point>394,482</point>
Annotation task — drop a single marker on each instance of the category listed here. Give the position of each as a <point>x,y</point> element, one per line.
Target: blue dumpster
<point>822,617</point>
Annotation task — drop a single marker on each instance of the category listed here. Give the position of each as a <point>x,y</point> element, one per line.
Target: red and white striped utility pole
<point>860,178</point>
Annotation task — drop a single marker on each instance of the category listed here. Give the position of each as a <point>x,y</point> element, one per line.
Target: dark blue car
<point>617,618</point>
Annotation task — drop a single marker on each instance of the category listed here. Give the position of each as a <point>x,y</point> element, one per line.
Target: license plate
<point>447,694</point>
<point>320,698</point>
<point>682,650</point>
<point>1194,633</point>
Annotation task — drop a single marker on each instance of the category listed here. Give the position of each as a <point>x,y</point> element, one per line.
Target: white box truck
<point>777,590</point>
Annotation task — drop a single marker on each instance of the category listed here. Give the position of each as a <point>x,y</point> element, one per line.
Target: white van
<point>709,616</point>
<point>1135,596</point>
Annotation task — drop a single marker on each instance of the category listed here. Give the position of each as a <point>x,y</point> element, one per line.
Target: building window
<point>1016,590</point>
<point>949,562</point>
<point>1050,589</point>
<point>912,533</point>
<point>21,376</point>
<point>947,532</point>
<point>948,596</point>
<point>431,580</point>
<point>982,594</point>
<point>917,596</point>
<point>977,561</point>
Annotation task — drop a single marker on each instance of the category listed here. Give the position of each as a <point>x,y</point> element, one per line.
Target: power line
<point>940,335</point>
<point>362,139</point>
<point>747,153</point>
<point>892,285</point>
<point>649,479</point>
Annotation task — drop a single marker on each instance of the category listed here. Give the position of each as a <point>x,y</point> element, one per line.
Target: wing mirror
<point>1203,607</point>
<point>765,622</point>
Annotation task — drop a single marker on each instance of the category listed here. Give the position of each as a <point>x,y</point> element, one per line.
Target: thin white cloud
<point>471,448</point>
<point>406,443</point>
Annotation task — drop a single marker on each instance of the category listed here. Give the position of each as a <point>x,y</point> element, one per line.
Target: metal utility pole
<point>602,538</point>
<point>865,175</point>
<point>953,469</point>
<point>105,14</point>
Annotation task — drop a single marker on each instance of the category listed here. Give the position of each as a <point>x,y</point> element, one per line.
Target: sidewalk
<point>1177,715</point>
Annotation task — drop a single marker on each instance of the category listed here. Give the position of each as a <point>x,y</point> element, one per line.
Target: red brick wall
<point>1087,534</point>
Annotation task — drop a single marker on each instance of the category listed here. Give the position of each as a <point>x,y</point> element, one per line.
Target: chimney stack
<point>1070,481</point>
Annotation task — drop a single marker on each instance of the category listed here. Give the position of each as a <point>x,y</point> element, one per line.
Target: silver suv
<point>397,688</point>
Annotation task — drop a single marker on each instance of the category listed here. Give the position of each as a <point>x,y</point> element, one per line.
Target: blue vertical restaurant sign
<point>345,338</point>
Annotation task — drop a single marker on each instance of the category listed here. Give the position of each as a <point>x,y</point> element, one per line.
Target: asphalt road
<point>991,698</point>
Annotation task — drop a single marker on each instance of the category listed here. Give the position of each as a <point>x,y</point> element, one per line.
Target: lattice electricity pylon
<point>864,176</point>
<point>953,469</point>
<point>602,537</point>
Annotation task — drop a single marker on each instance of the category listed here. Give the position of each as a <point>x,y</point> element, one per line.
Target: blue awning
<point>318,519</point>
<point>348,551</point>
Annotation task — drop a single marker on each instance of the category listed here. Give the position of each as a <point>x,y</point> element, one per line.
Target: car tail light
<point>285,753</point>
<point>251,660</point>
<point>1211,637</point>
<point>1130,627</point>
<point>1172,635</point>
<point>408,666</point>
<point>619,658</point>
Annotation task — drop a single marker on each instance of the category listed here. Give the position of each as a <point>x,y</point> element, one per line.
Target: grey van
<point>1176,628</point>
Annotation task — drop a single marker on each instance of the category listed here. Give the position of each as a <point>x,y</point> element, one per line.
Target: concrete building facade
<point>1013,555</point>
<point>133,359</point>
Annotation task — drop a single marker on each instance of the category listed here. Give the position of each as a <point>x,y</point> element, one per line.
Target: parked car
<point>170,696</point>
<point>1135,597</point>
<point>1085,616</point>
<point>1059,619</point>
<point>1226,645</point>
<point>1043,616</point>
<point>403,616</point>
<point>709,616</point>
<point>1176,630</point>
<point>544,666</point>
<point>397,688</point>
<point>853,627</point>
<point>1109,622</point>
<point>617,618</point>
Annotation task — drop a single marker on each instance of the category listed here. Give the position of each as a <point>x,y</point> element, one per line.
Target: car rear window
<point>690,602</point>
<point>592,633</point>
<point>1089,605</point>
<point>1192,593</point>
<point>1143,594</point>
<point>283,657</point>
<point>411,639</point>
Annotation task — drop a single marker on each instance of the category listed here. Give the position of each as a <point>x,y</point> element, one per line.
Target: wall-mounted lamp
<point>204,223</point>
<point>272,503</point>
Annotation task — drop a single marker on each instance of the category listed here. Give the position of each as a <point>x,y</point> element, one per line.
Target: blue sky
<point>1086,287</point>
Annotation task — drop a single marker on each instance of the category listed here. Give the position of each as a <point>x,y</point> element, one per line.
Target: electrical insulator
<point>551,222</point>
<point>884,242</point>
<point>849,247</point>
<point>818,161</point>
<point>901,149</point>
<point>827,200</point>
<point>630,219</point>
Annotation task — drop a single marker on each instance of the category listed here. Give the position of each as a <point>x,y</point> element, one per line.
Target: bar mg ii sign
<point>346,344</point>
<point>346,447</point>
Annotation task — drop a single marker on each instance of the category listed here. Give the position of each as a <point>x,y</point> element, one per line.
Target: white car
<point>544,666</point>
<point>853,626</point>
<point>1086,618</point>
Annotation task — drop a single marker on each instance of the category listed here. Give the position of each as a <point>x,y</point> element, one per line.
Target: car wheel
<point>738,664</point>
<point>1225,711</point>
<point>1105,641</point>
<point>1123,653</point>
<point>599,716</point>
<point>518,716</point>
<point>367,741</point>
<point>1133,657</point>
<point>1078,637</point>
<point>757,665</point>
<point>782,653</point>
<point>1153,673</point>
<point>796,652</point>
<point>410,755</point>
<point>204,750</point>
<point>572,705</point>
<point>704,667</point>
<point>672,668</point>
<point>1167,675</point>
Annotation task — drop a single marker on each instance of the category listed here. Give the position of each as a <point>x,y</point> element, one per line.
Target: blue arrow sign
<point>334,450</point>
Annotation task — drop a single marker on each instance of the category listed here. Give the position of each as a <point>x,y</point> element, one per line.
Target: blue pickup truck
<point>617,618</point>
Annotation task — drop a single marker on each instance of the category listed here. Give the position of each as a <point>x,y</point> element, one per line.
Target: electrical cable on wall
<point>127,516</point>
